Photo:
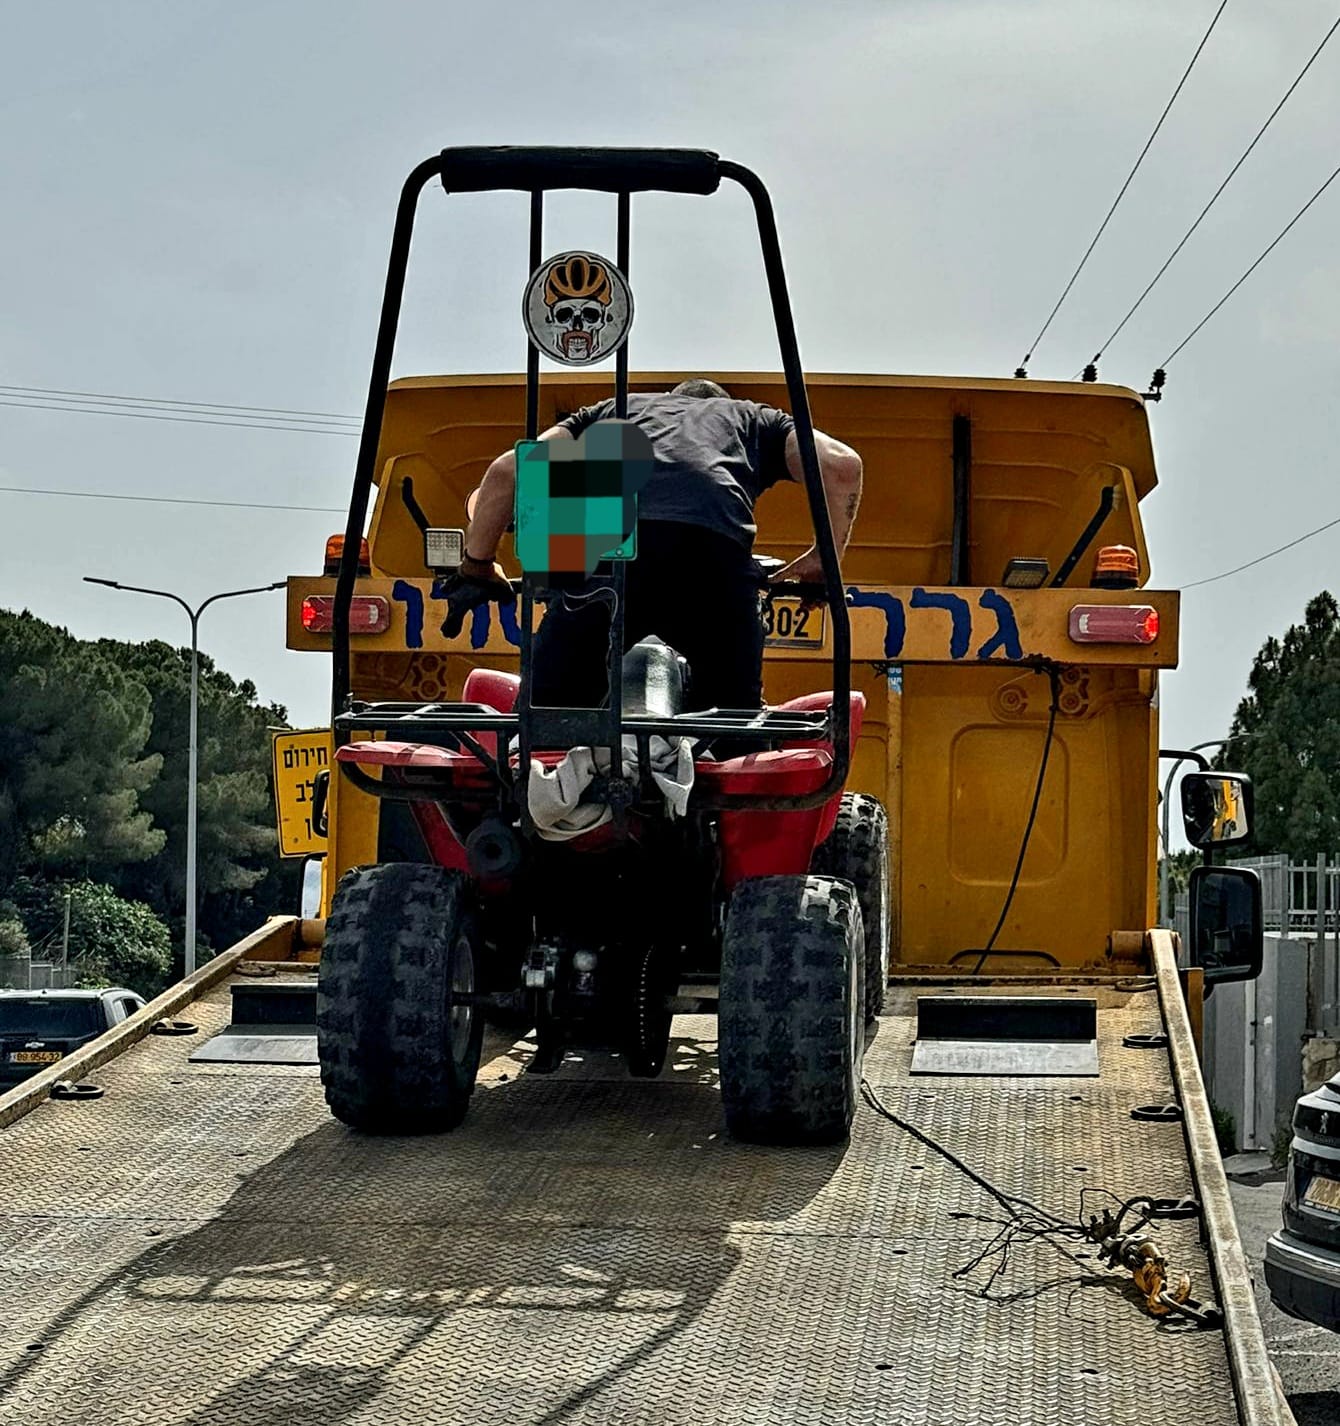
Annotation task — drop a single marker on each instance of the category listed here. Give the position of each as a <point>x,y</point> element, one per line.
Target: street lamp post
<point>1165,877</point>
<point>192,756</point>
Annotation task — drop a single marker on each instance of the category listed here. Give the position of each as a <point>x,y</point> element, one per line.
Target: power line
<point>1278,239</point>
<point>1214,198</point>
<point>1261,559</point>
<point>167,401</point>
<point>172,500</point>
<point>86,410</point>
<point>1121,193</point>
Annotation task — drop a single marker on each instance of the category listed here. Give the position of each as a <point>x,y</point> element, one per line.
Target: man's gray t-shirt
<point>713,457</point>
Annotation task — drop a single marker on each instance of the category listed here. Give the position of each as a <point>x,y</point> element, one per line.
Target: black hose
<point>1054,674</point>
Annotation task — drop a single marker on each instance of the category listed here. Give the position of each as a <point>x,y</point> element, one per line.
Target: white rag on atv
<point>554,794</point>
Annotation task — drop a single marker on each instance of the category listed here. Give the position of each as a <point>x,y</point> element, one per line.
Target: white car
<point>1303,1258</point>
<point>38,1027</point>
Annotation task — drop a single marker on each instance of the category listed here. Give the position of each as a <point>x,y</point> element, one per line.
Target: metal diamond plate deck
<point>205,1245</point>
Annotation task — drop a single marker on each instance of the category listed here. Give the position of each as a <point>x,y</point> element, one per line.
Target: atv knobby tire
<point>396,1058</point>
<point>792,1018</point>
<point>858,849</point>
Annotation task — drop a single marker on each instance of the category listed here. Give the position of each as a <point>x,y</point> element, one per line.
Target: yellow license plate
<point>34,1057</point>
<point>1323,1193</point>
<point>787,626</point>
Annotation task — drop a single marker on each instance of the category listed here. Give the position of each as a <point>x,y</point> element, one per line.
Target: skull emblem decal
<point>577,308</point>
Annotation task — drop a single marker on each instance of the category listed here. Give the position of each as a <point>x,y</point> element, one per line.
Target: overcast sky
<point>198,198</point>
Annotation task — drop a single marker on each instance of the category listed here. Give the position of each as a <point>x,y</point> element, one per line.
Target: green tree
<point>1180,866</point>
<point>113,941</point>
<point>13,933</point>
<point>72,762</point>
<point>240,876</point>
<point>1292,712</point>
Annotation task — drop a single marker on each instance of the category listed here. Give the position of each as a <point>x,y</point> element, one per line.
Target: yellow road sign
<point>299,755</point>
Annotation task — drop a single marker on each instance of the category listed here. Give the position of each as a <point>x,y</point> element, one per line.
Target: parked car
<point>1303,1258</point>
<point>38,1027</point>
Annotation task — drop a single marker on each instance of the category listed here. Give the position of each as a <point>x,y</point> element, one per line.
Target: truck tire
<point>792,1021</point>
<point>396,1057</point>
<point>858,849</point>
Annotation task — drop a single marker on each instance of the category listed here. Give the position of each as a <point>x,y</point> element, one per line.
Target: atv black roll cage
<point>622,172</point>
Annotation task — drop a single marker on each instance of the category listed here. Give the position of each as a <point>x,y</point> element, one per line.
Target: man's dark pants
<point>696,590</point>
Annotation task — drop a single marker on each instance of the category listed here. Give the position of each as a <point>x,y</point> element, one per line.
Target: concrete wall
<point>1255,1033</point>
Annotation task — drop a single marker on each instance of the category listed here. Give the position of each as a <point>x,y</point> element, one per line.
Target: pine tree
<point>1291,716</point>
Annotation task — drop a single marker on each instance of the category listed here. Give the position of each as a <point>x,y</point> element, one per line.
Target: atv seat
<point>794,767</point>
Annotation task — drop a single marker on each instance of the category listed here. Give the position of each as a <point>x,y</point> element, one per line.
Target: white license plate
<point>1323,1193</point>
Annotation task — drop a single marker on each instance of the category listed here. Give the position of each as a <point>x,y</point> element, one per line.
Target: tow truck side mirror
<point>1217,808</point>
<point>1227,929</point>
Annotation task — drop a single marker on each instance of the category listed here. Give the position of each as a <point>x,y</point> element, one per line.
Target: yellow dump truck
<point>808,1132</point>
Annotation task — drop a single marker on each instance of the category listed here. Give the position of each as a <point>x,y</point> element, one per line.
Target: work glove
<point>476,582</point>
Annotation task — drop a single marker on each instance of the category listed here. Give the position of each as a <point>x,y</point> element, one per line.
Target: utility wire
<point>1261,559</point>
<point>310,429</point>
<point>171,500</point>
<point>1214,198</point>
<point>57,391</point>
<point>1121,193</point>
<point>1278,239</point>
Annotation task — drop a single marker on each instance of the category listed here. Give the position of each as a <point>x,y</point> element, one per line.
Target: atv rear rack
<point>454,725</point>
<point>560,724</point>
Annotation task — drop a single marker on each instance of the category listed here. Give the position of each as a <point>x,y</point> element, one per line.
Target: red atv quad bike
<point>764,899</point>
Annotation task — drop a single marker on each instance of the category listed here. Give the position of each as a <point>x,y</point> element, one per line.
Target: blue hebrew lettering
<point>412,599</point>
<point>895,620</point>
<point>511,629</point>
<point>479,626</point>
<point>960,633</point>
<point>1006,636</point>
<point>481,620</point>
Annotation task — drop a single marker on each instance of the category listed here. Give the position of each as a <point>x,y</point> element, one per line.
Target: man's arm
<point>494,507</point>
<point>841,471</point>
<point>480,579</point>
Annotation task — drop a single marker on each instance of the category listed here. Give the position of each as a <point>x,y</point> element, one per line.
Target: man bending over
<point>694,583</point>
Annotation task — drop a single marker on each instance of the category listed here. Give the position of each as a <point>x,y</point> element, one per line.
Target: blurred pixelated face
<point>576,501</point>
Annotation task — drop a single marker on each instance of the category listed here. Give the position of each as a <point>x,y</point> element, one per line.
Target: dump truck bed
<point>205,1244</point>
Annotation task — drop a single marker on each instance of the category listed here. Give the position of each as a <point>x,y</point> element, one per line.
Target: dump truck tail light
<point>1114,624</point>
<point>368,614</point>
<point>335,552</point>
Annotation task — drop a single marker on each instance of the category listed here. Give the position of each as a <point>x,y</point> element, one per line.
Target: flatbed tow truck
<point>197,1239</point>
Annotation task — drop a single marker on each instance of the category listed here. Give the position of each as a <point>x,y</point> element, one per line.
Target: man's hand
<point>808,569</point>
<point>476,582</point>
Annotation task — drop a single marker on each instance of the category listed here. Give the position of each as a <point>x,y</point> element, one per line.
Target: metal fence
<point>25,973</point>
<point>1289,893</point>
<point>1289,898</point>
<point>1292,909</point>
